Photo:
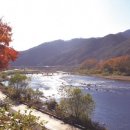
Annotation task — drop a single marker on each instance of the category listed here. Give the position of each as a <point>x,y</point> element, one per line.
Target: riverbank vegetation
<point>75,107</point>
<point>113,66</point>
<point>19,91</point>
<point>10,120</point>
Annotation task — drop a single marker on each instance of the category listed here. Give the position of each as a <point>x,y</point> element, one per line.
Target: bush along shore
<point>74,108</point>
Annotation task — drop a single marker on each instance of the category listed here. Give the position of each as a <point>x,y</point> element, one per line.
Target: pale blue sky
<point>38,21</point>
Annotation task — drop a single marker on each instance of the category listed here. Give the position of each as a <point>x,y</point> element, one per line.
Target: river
<point>112,97</point>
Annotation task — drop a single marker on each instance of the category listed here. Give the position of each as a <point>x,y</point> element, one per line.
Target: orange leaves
<point>120,64</point>
<point>117,65</point>
<point>5,33</point>
<point>10,53</point>
<point>7,53</point>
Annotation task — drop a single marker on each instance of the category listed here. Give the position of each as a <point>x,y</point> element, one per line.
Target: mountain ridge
<point>75,51</point>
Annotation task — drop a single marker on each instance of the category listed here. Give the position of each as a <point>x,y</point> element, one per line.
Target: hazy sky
<point>38,21</point>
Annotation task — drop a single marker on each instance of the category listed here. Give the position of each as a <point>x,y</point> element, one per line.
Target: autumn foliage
<point>116,65</point>
<point>7,53</point>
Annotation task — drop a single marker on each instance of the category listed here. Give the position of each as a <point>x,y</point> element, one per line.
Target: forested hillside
<point>75,51</point>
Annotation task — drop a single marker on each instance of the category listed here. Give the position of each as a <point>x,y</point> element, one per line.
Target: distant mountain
<point>74,51</point>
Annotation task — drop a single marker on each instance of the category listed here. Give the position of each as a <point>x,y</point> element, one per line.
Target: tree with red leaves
<point>7,53</point>
<point>119,65</point>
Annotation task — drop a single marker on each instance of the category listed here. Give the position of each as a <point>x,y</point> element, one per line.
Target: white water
<point>49,85</point>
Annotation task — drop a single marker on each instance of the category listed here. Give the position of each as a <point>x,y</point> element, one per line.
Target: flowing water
<point>112,97</point>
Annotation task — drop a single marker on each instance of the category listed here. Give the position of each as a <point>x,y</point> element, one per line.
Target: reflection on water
<point>48,84</point>
<point>112,97</point>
